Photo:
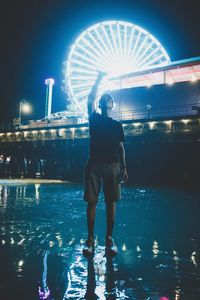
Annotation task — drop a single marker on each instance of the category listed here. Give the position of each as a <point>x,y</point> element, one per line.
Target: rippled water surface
<point>43,228</point>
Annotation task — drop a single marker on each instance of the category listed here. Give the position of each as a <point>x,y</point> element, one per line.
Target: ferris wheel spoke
<point>125,43</point>
<point>83,71</point>
<point>140,48</point>
<point>109,41</point>
<point>86,65</point>
<point>81,85</point>
<point>90,61</point>
<point>135,45</point>
<point>153,61</point>
<point>99,49</point>
<point>113,38</point>
<point>88,52</point>
<point>104,45</point>
<point>148,57</point>
<point>130,42</point>
<point>96,51</point>
<point>119,40</point>
<point>144,53</point>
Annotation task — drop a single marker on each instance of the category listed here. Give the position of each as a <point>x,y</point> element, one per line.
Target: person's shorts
<point>106,175</point>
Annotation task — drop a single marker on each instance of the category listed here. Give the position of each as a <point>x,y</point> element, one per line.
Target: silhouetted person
<point>106,165</point>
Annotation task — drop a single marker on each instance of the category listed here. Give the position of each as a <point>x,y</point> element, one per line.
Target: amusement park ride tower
<point>49,83</point>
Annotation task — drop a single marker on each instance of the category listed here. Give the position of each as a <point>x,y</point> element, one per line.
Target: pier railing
<point>158,112</point>
<point>122,115</point>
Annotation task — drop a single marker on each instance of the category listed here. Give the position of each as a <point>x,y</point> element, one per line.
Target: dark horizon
<point>36,38</point>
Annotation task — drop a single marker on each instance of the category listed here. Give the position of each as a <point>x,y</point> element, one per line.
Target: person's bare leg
<point>110,214</point>
<point>91,212</point>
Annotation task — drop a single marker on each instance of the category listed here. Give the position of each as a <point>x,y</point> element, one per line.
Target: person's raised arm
<point>93,93</point>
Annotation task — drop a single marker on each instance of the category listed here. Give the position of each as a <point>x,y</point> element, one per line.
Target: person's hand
<point>124,174</point>
<point>101,74</point>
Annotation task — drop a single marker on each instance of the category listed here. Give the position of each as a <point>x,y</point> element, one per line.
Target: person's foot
<point>111,248</point>
<point>89,247</point>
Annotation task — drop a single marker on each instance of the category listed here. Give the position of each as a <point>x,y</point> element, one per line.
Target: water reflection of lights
<point>124,247</point>
<point>177,293</point>
<point>71,242</point>
<point>155,249</point>
<point>21,242</point>
<point>138,249</point>
<point>175,258</point>
<point>93,278</point>
<point>44,291</point>
<point>20,263</point>
<point>59,239</point>
<point>37,192</point>
<point>4,193</point>
<point>51,244</point>
<point>194,259</point>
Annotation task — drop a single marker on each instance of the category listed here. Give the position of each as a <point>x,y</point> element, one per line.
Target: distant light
<point>193,78</point>
<point>185,121</point>
<point>168,122</point>
<point>149,84</point>
<point>170,81</point>
<point>49,81</point>
<point>136,124</point>
<point>152,124</point>
<point>26,108</point>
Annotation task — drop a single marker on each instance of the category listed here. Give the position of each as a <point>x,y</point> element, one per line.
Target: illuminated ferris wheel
<point>115,47</point>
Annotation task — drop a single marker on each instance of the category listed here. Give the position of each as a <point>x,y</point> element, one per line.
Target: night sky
<point>36,36</point>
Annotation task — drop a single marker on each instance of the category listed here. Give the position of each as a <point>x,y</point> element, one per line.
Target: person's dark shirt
<point>105,137</point>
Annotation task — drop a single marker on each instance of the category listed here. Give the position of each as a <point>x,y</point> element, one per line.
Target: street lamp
<point>24,107</point>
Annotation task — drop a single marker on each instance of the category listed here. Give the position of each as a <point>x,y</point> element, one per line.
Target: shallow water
<point>43,228</point>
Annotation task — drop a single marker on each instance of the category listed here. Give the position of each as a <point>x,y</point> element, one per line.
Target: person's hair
<point>104,98</point>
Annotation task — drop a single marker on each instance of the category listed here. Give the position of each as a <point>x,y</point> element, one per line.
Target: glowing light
<point>149,84</point>
<point>168,122</point>
<point>138,249</point>
<point>20,263</point>
<point>170,81</point>
<point>155,249</point>
<point>194,259</point>
<point>49,81</point>
<point>185,121</point>
<point>115,47</point>
<point>151,125</point>
<point>124,247</point>
<point>193,78</point>
<point>136,124</point>
<point>26,108</point>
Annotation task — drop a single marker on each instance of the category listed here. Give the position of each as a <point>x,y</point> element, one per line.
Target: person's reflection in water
<point>110,283</point>
<point>110,293</point>
<point>53,277</point>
